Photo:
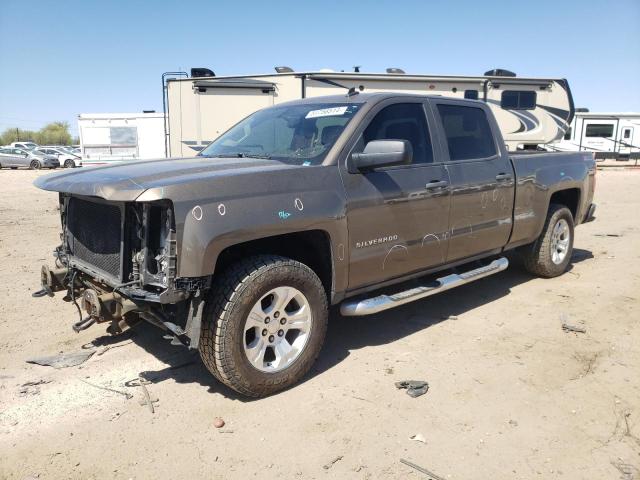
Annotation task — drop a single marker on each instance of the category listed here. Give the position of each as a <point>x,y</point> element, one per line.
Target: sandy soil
<point>512,395</point>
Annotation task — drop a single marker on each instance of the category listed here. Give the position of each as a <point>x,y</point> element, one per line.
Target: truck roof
<point>361,98</point>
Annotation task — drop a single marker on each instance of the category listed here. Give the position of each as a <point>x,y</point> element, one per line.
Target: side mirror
<point>381,153</point>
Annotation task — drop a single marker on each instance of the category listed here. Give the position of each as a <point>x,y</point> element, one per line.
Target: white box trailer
<point>608,135</point>
<point>109,137</point>
<point>529,111</point>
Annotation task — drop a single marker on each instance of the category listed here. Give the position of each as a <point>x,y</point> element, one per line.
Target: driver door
<point>397,216</point>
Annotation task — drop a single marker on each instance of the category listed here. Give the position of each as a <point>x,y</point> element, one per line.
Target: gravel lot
<point>512,396</point>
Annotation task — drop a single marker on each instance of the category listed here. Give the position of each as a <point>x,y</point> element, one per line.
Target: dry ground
<point>512,396</point>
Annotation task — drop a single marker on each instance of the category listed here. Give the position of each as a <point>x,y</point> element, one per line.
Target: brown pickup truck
<point>240,251</point>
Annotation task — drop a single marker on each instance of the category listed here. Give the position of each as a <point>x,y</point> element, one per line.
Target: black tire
<point>222,338</point>
<point>68,163</point>
<point>35,165</point>
<point>538,256</point>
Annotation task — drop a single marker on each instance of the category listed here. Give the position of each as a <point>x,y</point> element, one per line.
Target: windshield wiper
<point>238,155</point>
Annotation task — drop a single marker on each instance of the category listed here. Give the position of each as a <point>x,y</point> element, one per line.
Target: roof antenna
<point>352,91</point>
<point>356,68</point>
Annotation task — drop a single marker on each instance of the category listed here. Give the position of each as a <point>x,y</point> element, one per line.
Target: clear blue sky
<point>62,58</point>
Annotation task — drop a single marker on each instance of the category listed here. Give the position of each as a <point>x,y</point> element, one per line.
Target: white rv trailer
<point>529,111</point>
<point>112,137</point>
<point>609,135</point>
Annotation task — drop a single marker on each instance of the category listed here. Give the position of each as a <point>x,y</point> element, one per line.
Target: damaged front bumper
<point>177,309</point>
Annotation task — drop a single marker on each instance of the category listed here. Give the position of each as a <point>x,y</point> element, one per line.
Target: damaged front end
<point>117,262</point>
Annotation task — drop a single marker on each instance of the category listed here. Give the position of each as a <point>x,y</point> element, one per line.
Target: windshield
<point>29,146</point>
<point>299,134</point>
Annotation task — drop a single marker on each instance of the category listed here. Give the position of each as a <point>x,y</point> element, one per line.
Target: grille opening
<point>94,233</point>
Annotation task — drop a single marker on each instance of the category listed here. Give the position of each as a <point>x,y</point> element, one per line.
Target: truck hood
<point>125,182</point>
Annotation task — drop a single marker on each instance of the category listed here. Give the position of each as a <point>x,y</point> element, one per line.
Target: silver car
<point>17,157</point>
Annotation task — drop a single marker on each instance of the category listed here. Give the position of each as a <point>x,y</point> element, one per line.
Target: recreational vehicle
<point>111,137</point>
<point>609,135</point>
<point>529,111</point>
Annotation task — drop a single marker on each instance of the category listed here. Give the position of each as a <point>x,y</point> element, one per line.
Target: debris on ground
<point>32,388</point>
<point>147,396</point>
<point>567,327</point>
<point>607,235</point>
<point>573,328</point>
<point>332,462</point>
<point>108,389</point>
<point>431,475</point>
<point>415,388</point>
<point>218,422</point>
<point>63,360</point>
<point>418,437</point>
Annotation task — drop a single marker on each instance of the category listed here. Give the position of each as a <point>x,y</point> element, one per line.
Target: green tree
<point>55,133</point>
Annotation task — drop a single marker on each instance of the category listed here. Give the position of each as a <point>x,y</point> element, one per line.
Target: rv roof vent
<point>356,68</point>
<point>284,69</point>
<point>326,70</point>
<point>202,72</point>
<point>499,72</point>
<point>148,111</point>
<point>395,70</point>
<point>582,110</point>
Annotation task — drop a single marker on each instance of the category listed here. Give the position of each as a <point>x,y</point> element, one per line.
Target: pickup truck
<point>367,201</point>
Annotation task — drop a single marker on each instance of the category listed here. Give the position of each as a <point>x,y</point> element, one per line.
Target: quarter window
<point>403,121</point>
<point>468,133</point>
<point>599,130</point>
<point>518,100</point>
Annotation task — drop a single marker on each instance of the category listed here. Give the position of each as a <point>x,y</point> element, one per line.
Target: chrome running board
<point>380,303</point>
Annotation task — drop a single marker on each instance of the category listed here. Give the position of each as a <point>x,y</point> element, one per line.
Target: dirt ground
<point>512,395</point>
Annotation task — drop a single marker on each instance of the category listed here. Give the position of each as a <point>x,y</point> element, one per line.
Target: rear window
<point>518,100</point>
<point>468,133</point>
<point>599,130</point>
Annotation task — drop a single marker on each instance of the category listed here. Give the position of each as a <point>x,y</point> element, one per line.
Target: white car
<point>66,158</point>
<point>24,145</point>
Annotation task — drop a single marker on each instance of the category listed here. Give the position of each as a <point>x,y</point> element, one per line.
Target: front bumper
<point>590,215</point>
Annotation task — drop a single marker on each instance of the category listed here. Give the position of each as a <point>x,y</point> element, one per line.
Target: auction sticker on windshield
<point>327,112</point>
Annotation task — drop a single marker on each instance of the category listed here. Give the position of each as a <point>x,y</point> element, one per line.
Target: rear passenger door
<point>482,180</point>
<point>398,215</point>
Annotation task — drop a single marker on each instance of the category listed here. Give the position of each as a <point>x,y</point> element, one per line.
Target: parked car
<point>24,145</point>
<point>66,159</point>
<point>367,201</point>
<point>17,157</point>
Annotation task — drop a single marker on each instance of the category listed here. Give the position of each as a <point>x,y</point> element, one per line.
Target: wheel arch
<point>569,197</point>
<point>310,247</point>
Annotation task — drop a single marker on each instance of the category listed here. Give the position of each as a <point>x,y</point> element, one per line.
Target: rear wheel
<point>35,165</point>
<point>551,253</point>
<point>69,163</point>
<point>263,327</point>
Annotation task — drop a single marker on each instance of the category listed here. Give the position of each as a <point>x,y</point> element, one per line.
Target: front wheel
<point>551,253</point>
<point>69,163</point>
<point>35,165</point>
<point>264,325</point>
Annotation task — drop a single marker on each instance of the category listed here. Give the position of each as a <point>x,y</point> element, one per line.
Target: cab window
<point>402,121</point>
<point>467,132</point>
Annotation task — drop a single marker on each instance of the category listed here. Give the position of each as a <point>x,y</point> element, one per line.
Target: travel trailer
<point>529,111</point>
<point>609,135</point>
<point>112,137</point>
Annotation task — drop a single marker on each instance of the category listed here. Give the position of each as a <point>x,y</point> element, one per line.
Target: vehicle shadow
<point>346,334</point>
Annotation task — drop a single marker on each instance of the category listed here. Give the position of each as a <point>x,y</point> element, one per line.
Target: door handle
<point>504,176</point>
<point>436,184</point>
